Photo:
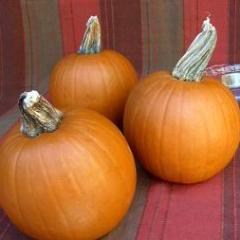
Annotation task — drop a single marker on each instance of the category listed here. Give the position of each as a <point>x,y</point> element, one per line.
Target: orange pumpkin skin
<point>101,82</point>
<point>183,132</point>
<point>74,184</point>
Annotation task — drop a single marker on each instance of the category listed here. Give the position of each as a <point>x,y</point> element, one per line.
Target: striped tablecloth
<point>34,34</point>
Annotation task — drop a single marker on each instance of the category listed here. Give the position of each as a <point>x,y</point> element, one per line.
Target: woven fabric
<point>35,34</point>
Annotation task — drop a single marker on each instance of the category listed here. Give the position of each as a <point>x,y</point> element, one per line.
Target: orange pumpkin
<point>184,127</point>
<point>74,183</point>
<point>94,79</point>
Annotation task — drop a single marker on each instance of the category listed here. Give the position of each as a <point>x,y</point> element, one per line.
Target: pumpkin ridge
<point>224,117</point>
<point>121,63</point>
<point>75,80</point>
<point>109,58</point>
<point>91,157</point>
<point>72,178</point>
<point>71,79</point>
<point>230,97</point>
<point>158,92</point>
<point>180,132</point>
<point>60,73</point>
<point>161,130</point>
<point>107,153</point>
<point>123,85</point>
<point>53,195</point>
<point>105,132</point>
<point>72,82</point>
<point>203,112</point>
<point>98,144</point>
<point>14,180</point>
<point>136,111</point>
<point>228,137</point>
<point>109,109</point>
<point>142,144</point>
<point>36,207</point>
<point>94,124</point>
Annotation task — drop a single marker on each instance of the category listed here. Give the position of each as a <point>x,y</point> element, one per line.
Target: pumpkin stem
<point>91,42</point>
<point>192,65</point>
<point>37,114</point>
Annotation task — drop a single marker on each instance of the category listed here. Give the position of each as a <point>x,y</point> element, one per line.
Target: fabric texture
<point>35,34</point>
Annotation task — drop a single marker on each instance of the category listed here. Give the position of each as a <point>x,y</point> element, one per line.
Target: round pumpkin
<point>75,183</point>
<point>184,127</point>
<point>94,79</point>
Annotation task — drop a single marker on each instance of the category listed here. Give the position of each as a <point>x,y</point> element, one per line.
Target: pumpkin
<point>94,79</point>
<point>70,177</point>
<point>184,127</point>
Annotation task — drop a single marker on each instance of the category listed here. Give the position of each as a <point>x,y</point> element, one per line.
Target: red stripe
<point>194,14</point>
<point>12,76</point>
<point>183,212</point>
<point>234,25</point>
<point>195,211</point>
<point>73,17</point>
<point>151,205</point>
<point>124,27</point>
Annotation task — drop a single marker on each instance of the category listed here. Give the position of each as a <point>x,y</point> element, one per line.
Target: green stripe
<point>163,35</point>
<point>43,45</point>
<point>145,36</point>
<point>7,120</point>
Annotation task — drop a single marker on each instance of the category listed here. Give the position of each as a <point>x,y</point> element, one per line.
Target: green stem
<point>91,42</point>
<point>192,65</point>
<point>37,114</point>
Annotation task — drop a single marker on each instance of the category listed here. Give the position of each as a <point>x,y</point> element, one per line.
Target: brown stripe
<point>145,37</point>
<point>7,120</point>
<point>124,27</point>
<point>128,228</point>
<point>42,41</point>
<point>163,43</point>
<point>237,189</point>
<point>228,206</point>
<point>106,24</point>
<point>234,26</point>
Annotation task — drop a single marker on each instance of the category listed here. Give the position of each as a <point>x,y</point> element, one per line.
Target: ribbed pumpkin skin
<point>184,132</point>
<point>74,184</point>
<point>100,82</point>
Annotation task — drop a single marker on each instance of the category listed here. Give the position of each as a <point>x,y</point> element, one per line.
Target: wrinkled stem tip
<point>91,42</point>
<point>37,114</point>
<point>191,66</point>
